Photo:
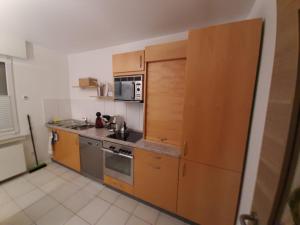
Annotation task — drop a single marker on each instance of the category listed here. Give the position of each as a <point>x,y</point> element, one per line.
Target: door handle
<point>183,170</point>
<point>141,59</point>
<point>133,94</point>
<point>185,148</point>
<point>251,218</point>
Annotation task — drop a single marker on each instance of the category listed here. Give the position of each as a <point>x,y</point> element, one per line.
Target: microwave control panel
<point>138,90</point>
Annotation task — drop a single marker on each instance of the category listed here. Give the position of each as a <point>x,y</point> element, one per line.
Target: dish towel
<point>53,138</point>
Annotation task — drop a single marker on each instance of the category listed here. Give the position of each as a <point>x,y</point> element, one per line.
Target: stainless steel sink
<point>81,127</point>
<point>73,124</point>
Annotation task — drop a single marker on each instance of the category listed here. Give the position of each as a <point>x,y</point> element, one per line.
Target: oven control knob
<point>138,89</point>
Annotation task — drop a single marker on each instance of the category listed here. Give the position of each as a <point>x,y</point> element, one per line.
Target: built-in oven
<point>118,161</point>
<point>128,88</point>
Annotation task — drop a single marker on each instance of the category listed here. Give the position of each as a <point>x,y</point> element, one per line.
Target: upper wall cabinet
<point>221,69</point>
<point>169,51</point>
<point>128,62</point>
<point>165,93</point>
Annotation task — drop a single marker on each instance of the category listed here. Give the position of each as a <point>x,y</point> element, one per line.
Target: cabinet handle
<point>163,139</point>
<point>157,157</point>
<point>141,61</point>
<point>185,148</point>
<point>156,167</point>
<point>183,170</point>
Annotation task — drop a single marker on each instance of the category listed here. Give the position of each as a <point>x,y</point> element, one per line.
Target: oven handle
<point>120,154</point>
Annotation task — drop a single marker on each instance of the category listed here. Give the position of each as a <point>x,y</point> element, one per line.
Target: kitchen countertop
<point>101,134</point>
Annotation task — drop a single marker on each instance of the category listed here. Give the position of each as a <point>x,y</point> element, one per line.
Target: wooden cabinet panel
<point>118,184</point>
<point>207,195</point>
<point>168,51</point>
<point>66,149</point>
<point>156,179</point>
<point>221,73</point>
<point>128,62</point>
<point>164,103</point>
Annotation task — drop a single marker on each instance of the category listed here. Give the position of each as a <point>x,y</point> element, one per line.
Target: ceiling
<point>77,25</point>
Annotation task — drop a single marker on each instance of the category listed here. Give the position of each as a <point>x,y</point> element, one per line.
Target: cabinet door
<point>66,150</point>
<point>128,62</point>
<point>207,195</point>
<point>118,184</point>
<point>164,103</point>
<point>156,179</point>
<point>221,73</point>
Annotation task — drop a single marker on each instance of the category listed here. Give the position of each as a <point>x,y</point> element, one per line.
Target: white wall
<point>43,75</point>
<point>12,46</point>
<point>265,9</point>
<point>98,64</point>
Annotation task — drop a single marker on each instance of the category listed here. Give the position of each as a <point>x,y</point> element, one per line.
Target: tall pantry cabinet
<point>221,70</point>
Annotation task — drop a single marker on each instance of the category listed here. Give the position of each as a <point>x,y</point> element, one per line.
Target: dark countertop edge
<point>143,144</point>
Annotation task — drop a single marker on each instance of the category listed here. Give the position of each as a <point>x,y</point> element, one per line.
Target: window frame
<point>11,93</point>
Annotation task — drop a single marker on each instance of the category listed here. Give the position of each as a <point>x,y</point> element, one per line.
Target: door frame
<point>283,122</point>
<point>292,151</point>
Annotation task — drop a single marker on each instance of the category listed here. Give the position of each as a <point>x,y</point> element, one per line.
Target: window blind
<point>6,115</point>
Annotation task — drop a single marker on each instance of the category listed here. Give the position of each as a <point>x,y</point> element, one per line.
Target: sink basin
<point>73,124</point>
<point>81,127</point>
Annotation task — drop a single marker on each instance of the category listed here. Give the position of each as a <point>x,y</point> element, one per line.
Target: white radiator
<point>12,160</point>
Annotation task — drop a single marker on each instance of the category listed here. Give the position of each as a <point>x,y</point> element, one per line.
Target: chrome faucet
<point>85,119</point>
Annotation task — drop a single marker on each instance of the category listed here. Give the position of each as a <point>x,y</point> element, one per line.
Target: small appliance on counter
<point>99,122</point>
<point>116,123</point>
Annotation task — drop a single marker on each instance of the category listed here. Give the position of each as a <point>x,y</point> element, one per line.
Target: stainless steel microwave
<point>129,88</point>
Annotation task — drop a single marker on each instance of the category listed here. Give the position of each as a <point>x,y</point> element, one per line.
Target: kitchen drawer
<point>150,157</point>
<point>156,179</point>
<point>118,184</point>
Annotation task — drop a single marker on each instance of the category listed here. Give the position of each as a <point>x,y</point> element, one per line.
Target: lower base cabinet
<point>207,195</point>
<point>66,150</point>
<point>120,185</point>
<point>156,179</point>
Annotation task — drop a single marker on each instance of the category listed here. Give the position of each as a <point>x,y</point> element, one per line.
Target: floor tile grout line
<point>81,187</point>
<point>103,214</point>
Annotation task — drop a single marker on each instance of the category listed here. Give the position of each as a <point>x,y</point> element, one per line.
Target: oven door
<point>118,166</point>
<point>124,90</point>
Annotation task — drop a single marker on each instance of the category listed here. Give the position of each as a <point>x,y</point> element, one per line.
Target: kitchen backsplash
<point>57,108</point>
<point>79,108</point>
<point>132,112</point>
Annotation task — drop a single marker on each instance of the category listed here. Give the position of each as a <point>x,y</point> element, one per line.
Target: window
<point>8,114</point>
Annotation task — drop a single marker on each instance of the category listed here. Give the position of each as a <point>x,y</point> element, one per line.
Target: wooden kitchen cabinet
<point>128,62</point>
<point>66,150</point>
<point>220,79</point>
<point>156,178</point>
<point>165,94</point>
<point>207,195</point>
<point>118,184</point>
<point>166,51</point>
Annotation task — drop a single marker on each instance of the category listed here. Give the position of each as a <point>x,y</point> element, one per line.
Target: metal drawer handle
<point>244,218</point>
<point>154,167</point>
<point>119,154</point>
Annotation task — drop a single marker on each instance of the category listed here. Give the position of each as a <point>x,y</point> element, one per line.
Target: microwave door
<point>118,89</point>
<point>128,91</point>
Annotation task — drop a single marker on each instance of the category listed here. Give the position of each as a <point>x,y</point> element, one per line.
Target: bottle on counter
<point>99,122</point>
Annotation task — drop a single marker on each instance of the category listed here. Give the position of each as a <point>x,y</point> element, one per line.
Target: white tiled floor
<point>57,196</point>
